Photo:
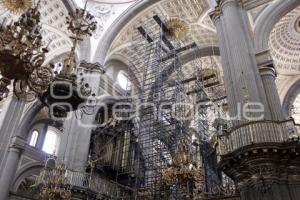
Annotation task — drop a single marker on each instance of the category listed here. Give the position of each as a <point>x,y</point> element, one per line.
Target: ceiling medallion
<point>66,92</point>
<point>17,6</point>
<point>297,25</point>
<point>22,57</point>
<point>177,28</point>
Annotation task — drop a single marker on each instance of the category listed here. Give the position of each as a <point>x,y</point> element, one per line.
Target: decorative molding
<point>264,58</point>
<point>18,143</point>
<point>102,12</point>
<point>92,67</point>
<point>251,4</point>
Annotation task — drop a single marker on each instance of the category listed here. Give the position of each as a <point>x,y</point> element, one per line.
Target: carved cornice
<point>267,70</point>
<point>17,144</point>
<point>264,58</point>
<point>215,14</point>
<point>265,63</point>
<point>92,66</point>
<point>268,162</point>
<point>222,3</point>
<point>252,4</point>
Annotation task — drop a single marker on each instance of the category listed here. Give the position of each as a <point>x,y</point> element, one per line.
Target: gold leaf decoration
<point>178,28</point>
<point>17,6</point>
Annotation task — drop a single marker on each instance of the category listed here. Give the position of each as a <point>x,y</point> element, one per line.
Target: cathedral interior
<point>150,99</point>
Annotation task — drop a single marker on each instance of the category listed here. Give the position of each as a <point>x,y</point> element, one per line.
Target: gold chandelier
<point>22,57</point>
<point>183,170</point>
<point>17,6</point>
<point>53,182</point>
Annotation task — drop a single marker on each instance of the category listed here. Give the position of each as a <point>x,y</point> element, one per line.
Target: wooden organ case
<point>114,150</point>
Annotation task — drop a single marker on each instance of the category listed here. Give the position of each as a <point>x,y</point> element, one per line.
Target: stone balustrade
<point>257,132</point>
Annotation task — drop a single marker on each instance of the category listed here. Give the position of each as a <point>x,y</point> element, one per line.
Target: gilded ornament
<point>17,6</point>
<point>177,28</point>
<point>22,56</point>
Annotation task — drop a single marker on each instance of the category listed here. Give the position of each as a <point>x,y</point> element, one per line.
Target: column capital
<point>264,58</point>
<point>265,63</point>
<point>17,144</point>
<point>222,3</point>
<point>215,15</point>
<point>267,70</point>
<point>92,67</point>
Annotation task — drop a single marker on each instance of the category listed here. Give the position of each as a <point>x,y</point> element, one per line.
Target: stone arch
<point>115,64</point>
<point>26,171</point>
<point>185,58</point>
<point>267,19</point>
<point>188,57</point>
<point>290,97</point>
<point>117,26</point>
<point>123,64</point>
<point>25,125</point>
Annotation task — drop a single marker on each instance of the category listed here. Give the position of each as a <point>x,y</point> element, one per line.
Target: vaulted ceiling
<point>193,12</point>
<point>284,39</point>
<point>285,43</point>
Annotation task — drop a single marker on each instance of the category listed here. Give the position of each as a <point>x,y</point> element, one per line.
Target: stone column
<point>10,167</point>
<point>9,120</point>
<point>241,76</point>
<point>268,75</point>
<point>263,168</point>
<point>75,143</point>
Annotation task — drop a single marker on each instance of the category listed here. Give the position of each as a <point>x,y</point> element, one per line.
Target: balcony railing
<point>257,132</point>
<point>82,180</point>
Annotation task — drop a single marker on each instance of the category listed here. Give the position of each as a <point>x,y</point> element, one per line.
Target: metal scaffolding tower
<point>163,114</point>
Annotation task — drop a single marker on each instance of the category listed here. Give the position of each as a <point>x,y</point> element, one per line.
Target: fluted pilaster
<point>268,75</point>
<point>242,80</point>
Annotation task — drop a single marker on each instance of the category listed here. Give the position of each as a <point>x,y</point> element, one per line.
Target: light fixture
<point>66,92</point>
<point>53,181</point>
<point>16,6</point>
<point>177,28</point>
<point>22,57</point>
<point>183,171</point>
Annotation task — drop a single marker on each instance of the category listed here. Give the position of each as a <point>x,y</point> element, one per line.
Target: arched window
<point>51,142</point>
<point>123,81</point>
<point>34,138</point>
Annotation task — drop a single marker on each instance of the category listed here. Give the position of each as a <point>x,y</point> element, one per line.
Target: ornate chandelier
<point>17,6</point>
<point>178,28</point>
<point>53,182</point>
<point>22,57</point>
<point>66,93</point>
<point>184,172</point>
